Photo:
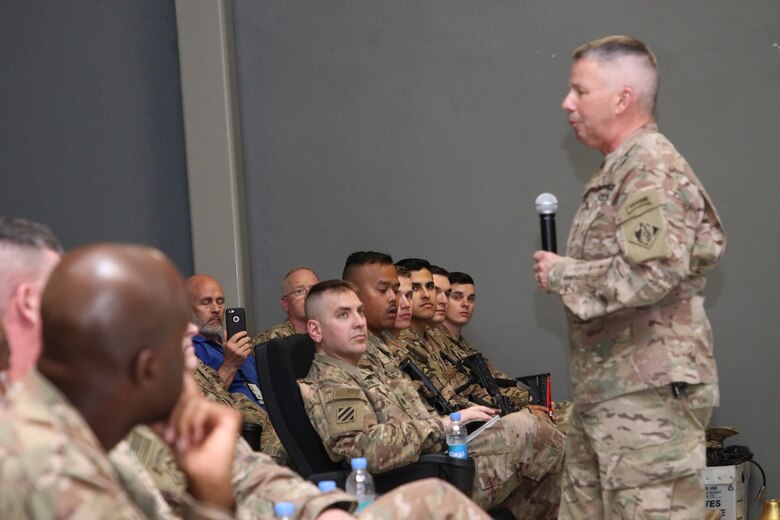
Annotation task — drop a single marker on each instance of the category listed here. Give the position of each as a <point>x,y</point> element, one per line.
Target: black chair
<point>280,363</point>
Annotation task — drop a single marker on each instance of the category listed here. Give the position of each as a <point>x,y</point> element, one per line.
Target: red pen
<point>549,398</point>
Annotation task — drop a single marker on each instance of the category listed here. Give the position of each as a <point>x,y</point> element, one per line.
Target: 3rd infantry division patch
<point>345,414</point>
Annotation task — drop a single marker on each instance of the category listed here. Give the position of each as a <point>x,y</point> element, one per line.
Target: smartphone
<point>235,321</point>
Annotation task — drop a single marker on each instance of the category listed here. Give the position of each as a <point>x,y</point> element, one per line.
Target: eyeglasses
<point>298,292</point>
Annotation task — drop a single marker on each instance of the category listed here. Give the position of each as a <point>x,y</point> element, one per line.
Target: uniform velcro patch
<point>346,393</point>
<point>643,226</point>
<point>346,410</point>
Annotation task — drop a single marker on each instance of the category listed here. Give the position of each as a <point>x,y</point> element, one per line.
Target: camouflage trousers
<point>518,466</point>
<point>562,413</point>
<point>638,456</point>
<point>429,499</point>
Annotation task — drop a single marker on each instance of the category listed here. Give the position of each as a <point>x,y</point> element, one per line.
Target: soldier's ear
<point>314,329</point>
<point>624,99</point>
<point>144,368</point>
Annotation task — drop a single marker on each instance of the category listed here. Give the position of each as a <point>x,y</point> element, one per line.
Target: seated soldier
<point>295,286</point>
<point>356,413</point>
<point>231,357</point>
<point>441,283</point>
<point>425,301</point>
<point>211,385</point>
<point>514,398</point>
<point>454,347</point>
<point>403,317</point>
<point>29,251</point>
<point>101,372</point>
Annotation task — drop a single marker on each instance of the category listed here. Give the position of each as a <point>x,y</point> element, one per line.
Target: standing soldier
<point>643,372</point>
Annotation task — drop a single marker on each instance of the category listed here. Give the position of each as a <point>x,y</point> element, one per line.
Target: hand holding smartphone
<point>235,321</point>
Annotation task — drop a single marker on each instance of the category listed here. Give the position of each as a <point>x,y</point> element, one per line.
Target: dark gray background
<point>427,128</point>
<point>91,133</point>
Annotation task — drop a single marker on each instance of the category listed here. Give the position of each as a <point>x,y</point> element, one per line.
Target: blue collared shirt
<point>210,352</point>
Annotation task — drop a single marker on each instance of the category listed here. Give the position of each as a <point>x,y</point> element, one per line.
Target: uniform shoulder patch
<point>346,410</point>
<point>643,226</point>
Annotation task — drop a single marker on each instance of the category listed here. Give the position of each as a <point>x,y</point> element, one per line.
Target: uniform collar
<point>605,176</point>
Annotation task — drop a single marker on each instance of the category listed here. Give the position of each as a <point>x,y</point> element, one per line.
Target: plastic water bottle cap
<point>359,463</point>
<point>455,416</point>
<point>284,508</point>
<point>327,485</point>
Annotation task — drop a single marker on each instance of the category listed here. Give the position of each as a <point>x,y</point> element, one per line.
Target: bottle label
<point>458,451</point>
<point>362,504</point>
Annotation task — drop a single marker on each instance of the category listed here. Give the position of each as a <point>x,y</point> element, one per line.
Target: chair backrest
<point>280,362</point>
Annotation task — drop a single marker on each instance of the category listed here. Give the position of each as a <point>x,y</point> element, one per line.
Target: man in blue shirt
<point>232,359</point>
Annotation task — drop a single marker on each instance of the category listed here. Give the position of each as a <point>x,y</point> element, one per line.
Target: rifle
<point>433,395</point>
<point>475,363</point>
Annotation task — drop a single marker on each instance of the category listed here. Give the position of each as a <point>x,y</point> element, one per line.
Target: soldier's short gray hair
<point>633,53</point>
<point>328,286</point>
<point>22,244</point>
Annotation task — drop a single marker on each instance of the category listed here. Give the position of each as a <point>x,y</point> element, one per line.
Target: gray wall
<point>427,128</point>
<point>91,126</point>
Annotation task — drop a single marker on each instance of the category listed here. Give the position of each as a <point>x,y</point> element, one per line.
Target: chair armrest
<point>458,472</point>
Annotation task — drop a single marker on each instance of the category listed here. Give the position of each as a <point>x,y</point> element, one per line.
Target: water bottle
<point>360,484</point>
<point>326,485</point>
<point>456,438</point>
<point>284,510</point>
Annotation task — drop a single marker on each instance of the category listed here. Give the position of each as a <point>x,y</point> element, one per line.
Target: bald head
<point>113,321</point>
<point>106,302</point>
<point>207,304</point>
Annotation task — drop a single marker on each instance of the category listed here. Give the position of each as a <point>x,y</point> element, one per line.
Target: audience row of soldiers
<point>416,322</point>
<point>95,419</point>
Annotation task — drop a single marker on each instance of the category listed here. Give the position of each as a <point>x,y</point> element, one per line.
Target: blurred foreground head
<point>113,321</point>
<point>28,253</point>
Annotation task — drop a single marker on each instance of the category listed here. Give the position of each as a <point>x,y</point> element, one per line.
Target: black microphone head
<point>546,204</point>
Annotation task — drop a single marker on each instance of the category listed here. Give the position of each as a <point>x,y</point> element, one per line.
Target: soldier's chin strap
<point>733,455</point>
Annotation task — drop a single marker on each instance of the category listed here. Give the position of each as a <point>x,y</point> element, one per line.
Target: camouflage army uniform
<point>632,285</point>
<point>211,384</point>
<point>357,414</point>
<point>455,349</point>
<point>284,329</point>
<point>52,465</point>
<point>428,499</point>
<point>410,344</point>
<point>379,360</point>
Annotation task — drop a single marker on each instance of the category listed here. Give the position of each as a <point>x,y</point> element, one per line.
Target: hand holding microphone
<point>546,206</point>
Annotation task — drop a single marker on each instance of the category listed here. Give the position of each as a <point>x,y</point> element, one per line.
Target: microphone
<point>546,205</point>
